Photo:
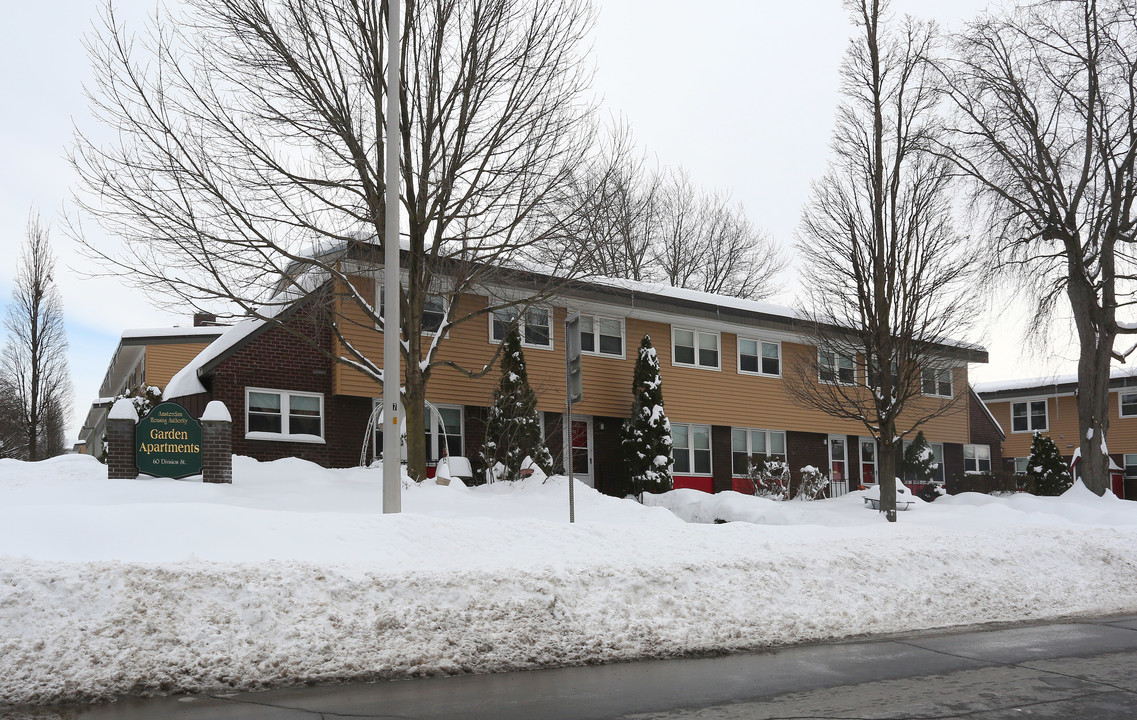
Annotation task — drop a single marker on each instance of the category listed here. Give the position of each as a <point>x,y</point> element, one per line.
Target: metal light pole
<point>392,378</point>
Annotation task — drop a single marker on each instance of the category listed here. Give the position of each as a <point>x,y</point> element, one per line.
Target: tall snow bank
<point>109,587</point>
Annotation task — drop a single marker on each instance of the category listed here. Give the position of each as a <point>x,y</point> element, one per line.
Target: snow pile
<point>292,574</point>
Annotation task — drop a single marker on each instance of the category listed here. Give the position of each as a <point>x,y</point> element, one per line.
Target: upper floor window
<point>976,458</point>
<point>1029,416</point>
<point>836,368</point>
<point>691,448</point>
<point>534,324</point>
<point>695,348</point>
<point>433,311</point>
<point>936,381</point>
<point>1128,404</point>
<point>284,415</point>
<point>745,442</point>
<point>602,335</point>
<point>759,357</point>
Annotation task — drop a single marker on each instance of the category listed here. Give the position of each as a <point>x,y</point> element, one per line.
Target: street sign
<point>167,442</point>
<point>572,359</point>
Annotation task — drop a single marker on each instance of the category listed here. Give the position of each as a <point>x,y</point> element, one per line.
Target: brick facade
<point>216,451</point>
<point>120,450</point>
<point>279,360</point>
<point>984,431</point>
<point>722,460</point>
<point>953,461</point>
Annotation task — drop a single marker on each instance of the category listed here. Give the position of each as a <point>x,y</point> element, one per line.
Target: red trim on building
<point>693,482</point>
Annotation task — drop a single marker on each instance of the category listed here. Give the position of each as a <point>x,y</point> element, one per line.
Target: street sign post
<point>574,392</point>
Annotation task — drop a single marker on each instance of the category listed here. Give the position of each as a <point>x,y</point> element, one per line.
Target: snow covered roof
<point>1052,383</point>
<point>203,332</point>
<point>187,381</point>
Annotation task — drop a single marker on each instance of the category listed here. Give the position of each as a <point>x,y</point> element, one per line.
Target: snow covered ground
<point>291,574</point>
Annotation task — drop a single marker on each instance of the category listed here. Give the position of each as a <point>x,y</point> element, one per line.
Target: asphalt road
<point>1074,669</point>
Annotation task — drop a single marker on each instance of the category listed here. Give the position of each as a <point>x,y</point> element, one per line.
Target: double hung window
<point>759,357</point>
<point>695,348</point>
<point>691,448</point>
<point>1029,416</point>
<point>284,415</point>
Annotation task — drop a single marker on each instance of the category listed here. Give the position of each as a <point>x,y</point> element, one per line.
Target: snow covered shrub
<point>1047,468</point>
<point>812,483</point>
<point>513,428</point>
<point>144,400</point>
<point>769,478</point>
<point>645,441</point>
<point>918,466</point>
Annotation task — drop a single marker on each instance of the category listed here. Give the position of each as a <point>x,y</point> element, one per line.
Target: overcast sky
<point>740,93</point>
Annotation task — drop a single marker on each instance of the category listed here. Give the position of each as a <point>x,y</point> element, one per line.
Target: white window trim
<point>738,353</point>
<point>521,327</point>
<point>285,404</point>
<point>697,333</point>
<point>691,449</point>
<point>1026,465</point>
<point>1120,393</point>
<point>750,450</point>
<point>836,370</point>
<point>977,471</point>
<point>596,333</point>
<point>1027,401</point>
<point>1124,464</point>
<point>951,382</point>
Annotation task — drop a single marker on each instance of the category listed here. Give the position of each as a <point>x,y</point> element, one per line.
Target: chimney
<point>204,319</point>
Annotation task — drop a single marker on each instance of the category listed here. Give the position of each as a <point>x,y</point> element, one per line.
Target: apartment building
<point>144,358</point>
<point>1049,406</point>
<point>724,363</point>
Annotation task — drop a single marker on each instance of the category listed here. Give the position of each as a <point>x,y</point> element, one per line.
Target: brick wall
<point>722,461</point>
<point>216,451</point>
<point>120,450</point>
<point>803,448</point>
<point>985,432</point>
<point>279,360</point>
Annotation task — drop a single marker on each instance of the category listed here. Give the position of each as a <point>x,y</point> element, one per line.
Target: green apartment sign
<point>167,442</point>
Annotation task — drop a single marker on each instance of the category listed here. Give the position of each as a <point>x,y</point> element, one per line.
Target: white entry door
<point>582,449</point>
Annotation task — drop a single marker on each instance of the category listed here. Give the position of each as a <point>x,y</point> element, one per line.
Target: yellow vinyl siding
<point>1062,417</point>
<point>165,361</point>
<point>694,395</point>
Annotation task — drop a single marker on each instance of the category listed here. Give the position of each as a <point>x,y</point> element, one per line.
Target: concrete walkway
<point>1078,668</point>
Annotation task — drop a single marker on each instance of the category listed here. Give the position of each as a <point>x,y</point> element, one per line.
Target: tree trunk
<point>1096,345</point>
<point>887,470</point>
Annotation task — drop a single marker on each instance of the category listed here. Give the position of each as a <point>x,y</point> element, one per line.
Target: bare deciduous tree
<point>1046,95</point>
<point>250,140</point>
<point>884,272</point>
<point>657,226</point>
<point>33,364</point>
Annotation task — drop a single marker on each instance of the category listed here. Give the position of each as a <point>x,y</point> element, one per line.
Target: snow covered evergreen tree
<point>919,462</point>
<point>513,429</point>
<point>1047,468</point>
<point>646,438</point>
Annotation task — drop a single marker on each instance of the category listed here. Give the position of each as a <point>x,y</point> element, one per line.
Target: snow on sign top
<point>123,409</point>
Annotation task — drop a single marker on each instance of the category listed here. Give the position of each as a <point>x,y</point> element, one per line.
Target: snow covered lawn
<point>291,574</point>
